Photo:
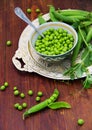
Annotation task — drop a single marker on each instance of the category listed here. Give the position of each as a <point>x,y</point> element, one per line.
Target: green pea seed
<point>8,43</point>
<point>30,92</point>
<point>38,99</point>
<point>15,88</point>
<point>80,121</point>
<point>16,92</point>
<point>16,105</point>
<point>37,10</point>
<point>22,95</point>
<point>6,84</point>
<point>29,10</point>
<point>40,94</point>
<point>20,107</point>
<point>24,104</point>
<point>2,88</point>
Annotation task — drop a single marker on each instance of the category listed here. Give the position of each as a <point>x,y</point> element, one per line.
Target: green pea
<point>80,121</point>
<point>22,95</point>
<point>16,92</point>
<point>30,92</point>
<point>24,104</point>
<point>40,94</point>
<point>16,105</point>
<point>6,84</point>
<point>2,88</point>
<point>37,10</point>
<point>29,10</point>
<point>38,99</point>
<point>15,88</point>
<point>20,107</point>
<point>8,43</point>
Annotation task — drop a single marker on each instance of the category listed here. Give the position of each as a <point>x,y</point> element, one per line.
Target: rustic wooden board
<point>11,28</point>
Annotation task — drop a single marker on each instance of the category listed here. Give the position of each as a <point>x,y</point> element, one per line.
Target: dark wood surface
<point>11,28</point>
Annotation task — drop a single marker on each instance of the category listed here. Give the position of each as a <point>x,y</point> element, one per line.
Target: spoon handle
<point>21,15</point>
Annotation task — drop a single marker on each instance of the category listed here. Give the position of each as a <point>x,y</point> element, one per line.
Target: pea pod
<point>89,35</point>
<point>51,10</point>
<point>42,105</point>
<point>58,105</point>
<point>78,46</point>
<point>68,19</point>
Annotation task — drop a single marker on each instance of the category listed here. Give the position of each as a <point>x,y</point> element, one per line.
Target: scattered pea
<point>20,107</point>
<point>15,88</point>
<point>16,92</point>
<point>37,10</point>
<point>38,99</point>
<point>40,94</point>
<point>8,43</point>
<point>6,84</point>
<point>80,121</point>
<point>22,95</point>
<point>2,88</point>
<point>30,92</point>
<point>16,105</point>
<point>24,104</point>
<point>29,10</point>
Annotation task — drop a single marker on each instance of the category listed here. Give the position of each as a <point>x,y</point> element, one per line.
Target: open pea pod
<point>58,105</point>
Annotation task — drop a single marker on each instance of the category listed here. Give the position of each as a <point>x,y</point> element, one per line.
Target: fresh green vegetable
<point>56,41</point>
<point>2,88</point>
<point>29,10</point>
<point>74,12</point>
<point>24,104</point>
<point>68,19</point>
<point>30,92</point>
<point>37,99</point>
<point>37,10</point>
<point>89,35</point>
<point>22,95</point>
<point>39,94</point>
<point>8,43</point>
<point>20,107</point>
<point>41,20</point>
<point>15,88</point>
<point>16,92</point>
<point>6,84</point>
<point>78,69</point>
<point>16,105</point>
<point>58,105</point>
<point>41,105</point>
<point>80,121</point>
<point>51,10</point>
<point>76,50</point>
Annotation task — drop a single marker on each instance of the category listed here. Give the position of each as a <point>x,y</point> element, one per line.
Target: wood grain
<point>11,28</point>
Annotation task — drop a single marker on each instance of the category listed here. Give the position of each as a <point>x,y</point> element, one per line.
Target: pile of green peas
<point>55,42</point>
<point>30,92</point>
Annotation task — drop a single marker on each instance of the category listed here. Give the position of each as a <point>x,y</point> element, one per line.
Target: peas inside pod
<point>55,42</point>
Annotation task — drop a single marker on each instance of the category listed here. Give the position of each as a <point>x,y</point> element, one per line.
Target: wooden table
<point>11,28</point>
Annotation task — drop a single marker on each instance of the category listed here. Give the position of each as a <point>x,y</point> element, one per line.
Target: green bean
<point>41,20</point>
<point>89,35</point>
<point>78,46</point>
<point>41,105</point>
<point>58,105</point>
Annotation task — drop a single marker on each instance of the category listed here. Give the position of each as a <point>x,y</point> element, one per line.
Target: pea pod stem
<point>42,105</point>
